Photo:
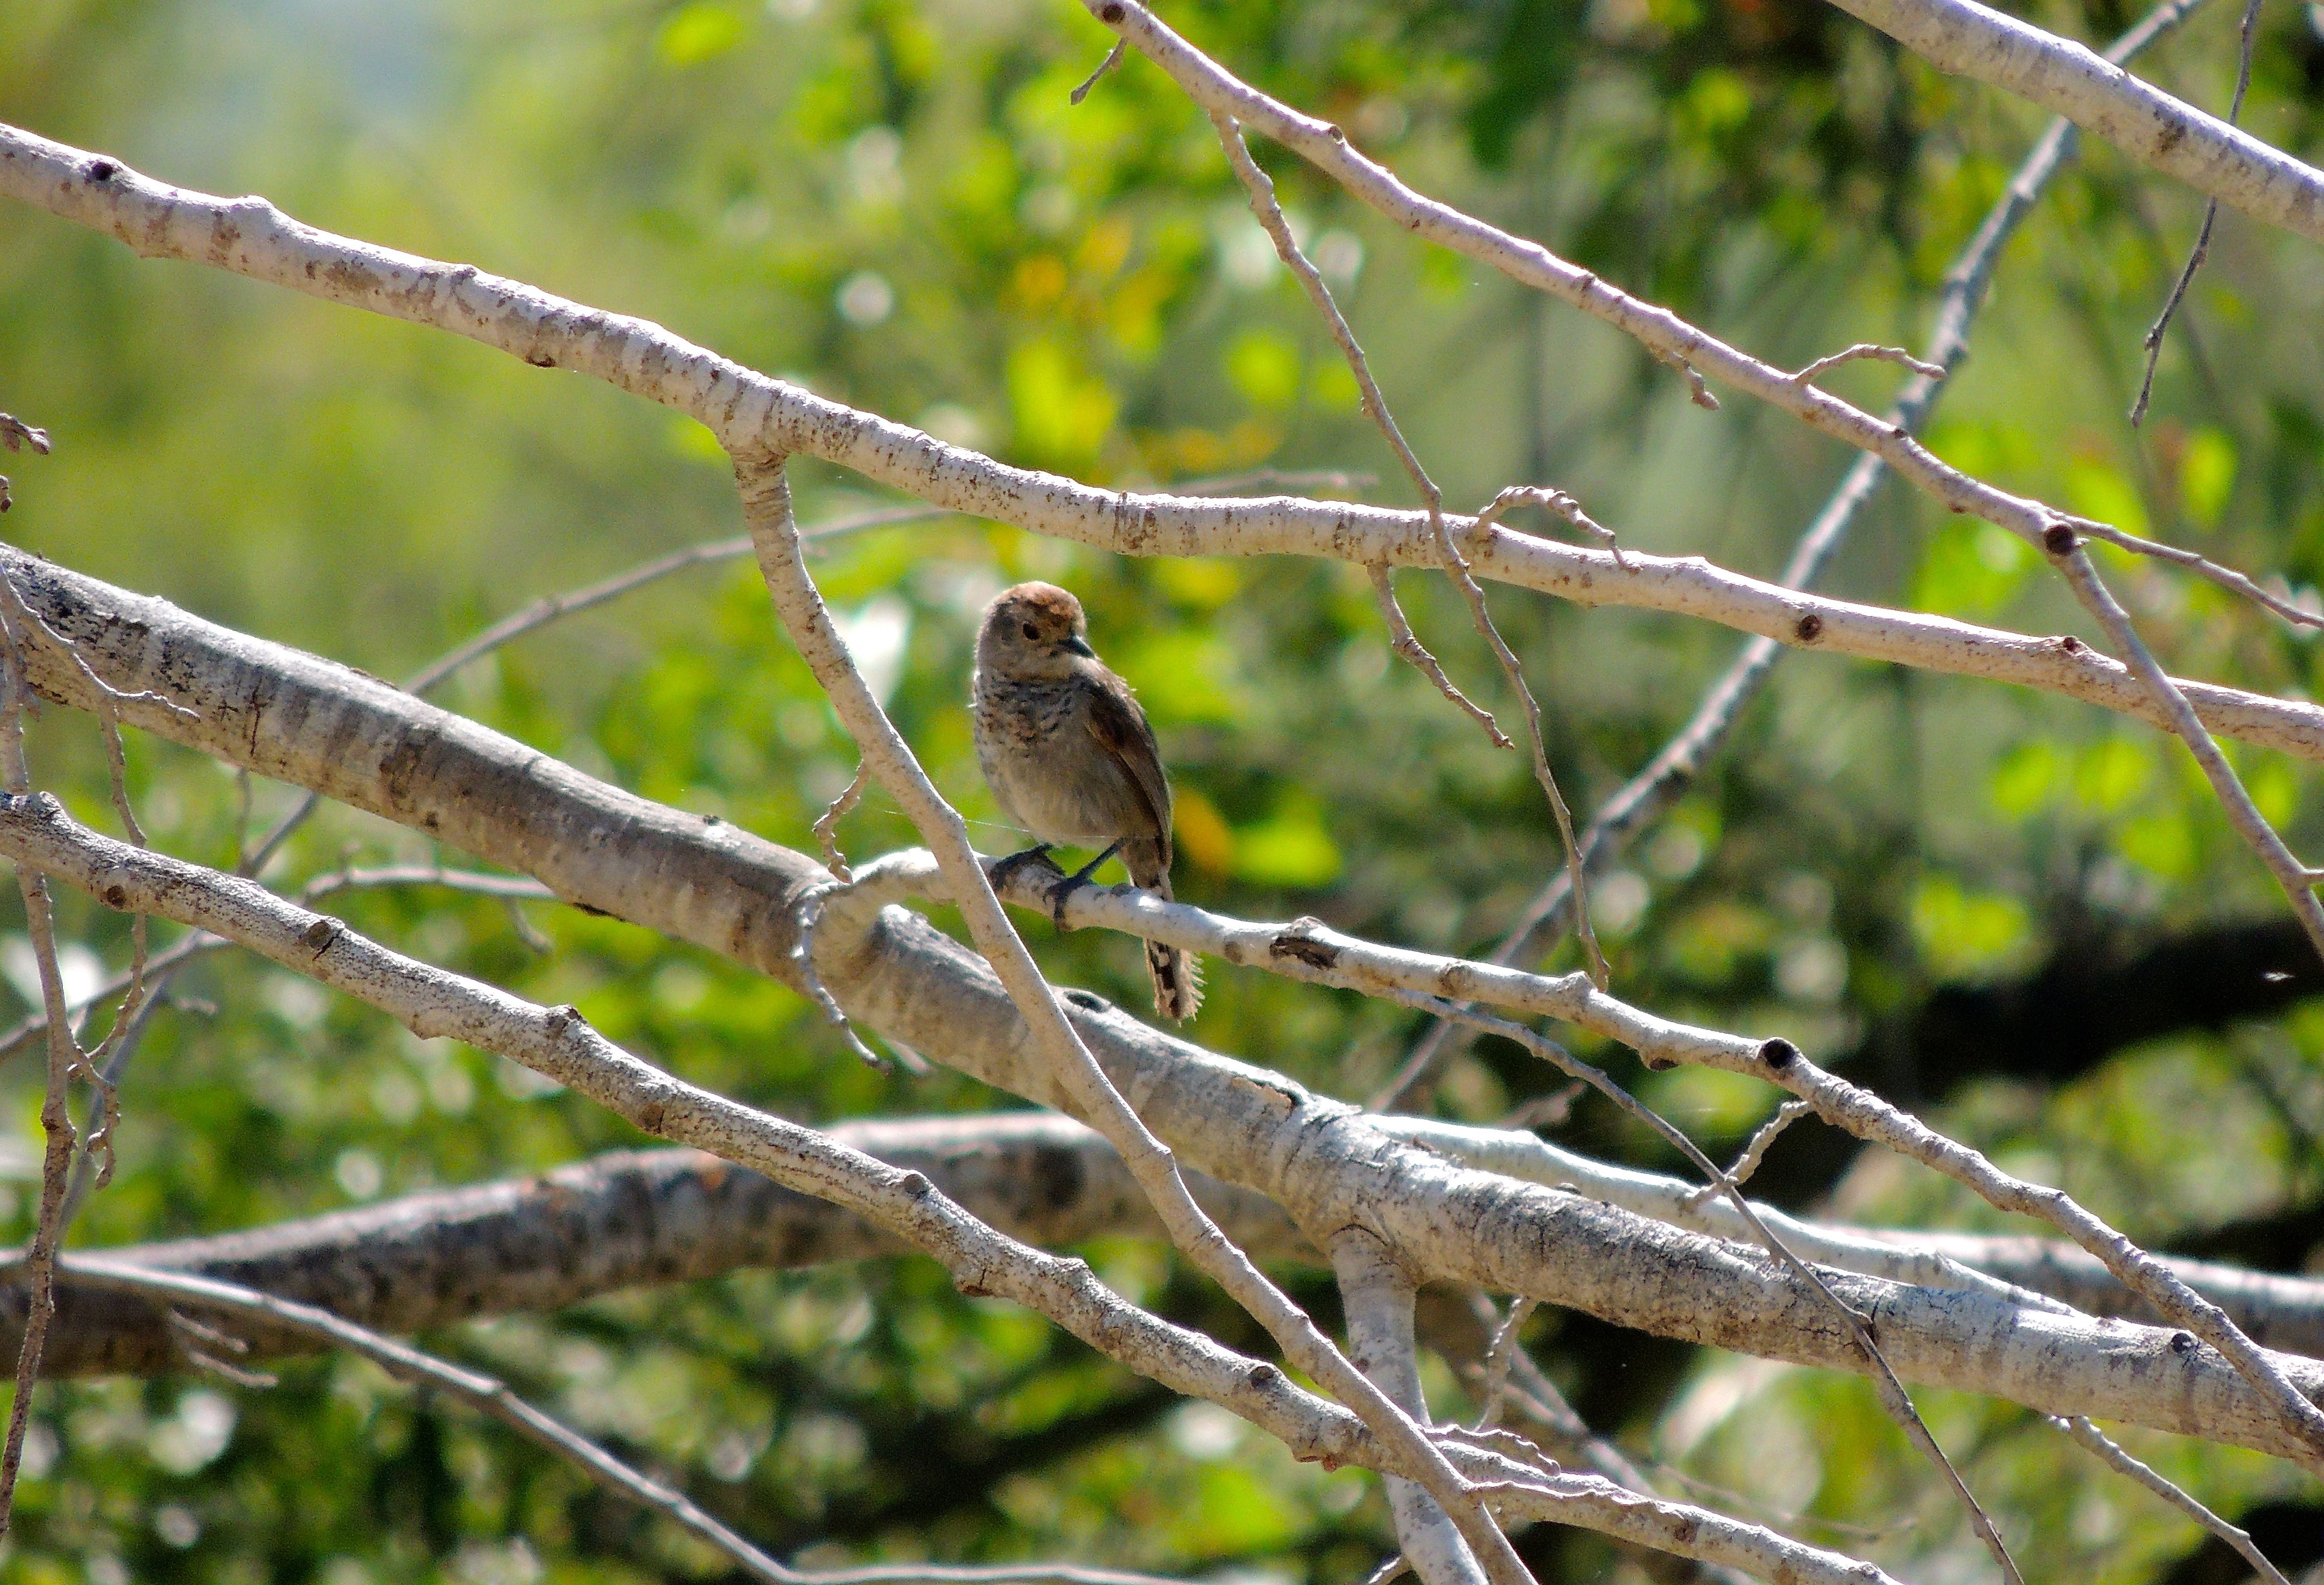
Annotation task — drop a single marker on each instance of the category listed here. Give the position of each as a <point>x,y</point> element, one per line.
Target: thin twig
<point>2154,342</point>
<point>1755,1151</point>
<point>1261,190</point>
<point>1112,59</point>
<point>129,1029</point>
<point>1497,1350</point>
<point>2072,556</point>
<point>2226,577</point>
<point>1869,350</point>
<point>1697,391</point>
<point>36,1026</point>
<point>2119,1459</point>
<point>552,608</point>
<point>64,1057</point>
<point>1556,501</point>
<point>14,436</point>
<point>508,887</point>
<point>826,824</point>
<point>491,1397</point>
<point>803,954</point>
<point>1405,643</point>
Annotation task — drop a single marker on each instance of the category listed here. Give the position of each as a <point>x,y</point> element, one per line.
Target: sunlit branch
<point>767,508</point>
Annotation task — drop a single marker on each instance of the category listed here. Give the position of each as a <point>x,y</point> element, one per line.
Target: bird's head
<point>1033,631</point>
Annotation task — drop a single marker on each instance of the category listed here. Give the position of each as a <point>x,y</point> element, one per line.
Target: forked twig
<point>1264,205</point>
<point>1549,499</point>
<point>1867,350</point>
<point>2153,344</point>
<point>2226,577</point>
<point>1754,1149</point>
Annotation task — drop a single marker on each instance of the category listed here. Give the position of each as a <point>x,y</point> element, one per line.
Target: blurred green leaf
<point>1967,935</point>
<point>699,31</point>
<point>1061,414</point>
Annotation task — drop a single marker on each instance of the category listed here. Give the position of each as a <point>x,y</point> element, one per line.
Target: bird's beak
<point>1075,644</point>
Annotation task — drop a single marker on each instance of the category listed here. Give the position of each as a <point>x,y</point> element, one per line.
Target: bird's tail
<point>1177,974</point>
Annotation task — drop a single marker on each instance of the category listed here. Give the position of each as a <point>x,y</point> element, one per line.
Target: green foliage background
<point>896,205</point>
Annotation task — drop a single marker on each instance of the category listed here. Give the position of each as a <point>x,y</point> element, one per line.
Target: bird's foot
<point>1067,885</point>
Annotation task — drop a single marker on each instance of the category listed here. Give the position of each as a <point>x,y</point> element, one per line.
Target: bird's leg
<point>1004,871</point>
<point>1079,878</point>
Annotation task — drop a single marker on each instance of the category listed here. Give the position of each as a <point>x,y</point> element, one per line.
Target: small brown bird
<point>1069,755</point>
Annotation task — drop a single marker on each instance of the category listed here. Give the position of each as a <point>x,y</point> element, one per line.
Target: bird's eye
<point>1031,632</point>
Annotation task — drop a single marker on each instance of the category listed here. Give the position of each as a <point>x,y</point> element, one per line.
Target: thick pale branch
<point>1376,1299</point>
<point>638,1218</point>
<point>293,716</point>
<point>628,1219</point>
<point>560,1044</point>
<point>2240,170</point>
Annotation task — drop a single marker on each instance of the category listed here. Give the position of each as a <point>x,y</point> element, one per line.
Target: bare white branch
<point>560,1044</point>
<point>304,720</point>
<point>1642,800</point>
<point>251,238</point>
<point>2240,170</point>
<point>1376,1299</point>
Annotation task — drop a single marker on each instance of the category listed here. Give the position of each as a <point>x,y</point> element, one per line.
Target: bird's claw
<point>1066,887</point>
<point>1002,872</point>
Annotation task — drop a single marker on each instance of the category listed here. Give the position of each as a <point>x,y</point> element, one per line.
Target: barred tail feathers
<point>1177,974</point>
<point>1177,980</point>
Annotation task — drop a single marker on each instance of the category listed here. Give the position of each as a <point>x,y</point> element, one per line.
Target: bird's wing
<point>1120,729</point>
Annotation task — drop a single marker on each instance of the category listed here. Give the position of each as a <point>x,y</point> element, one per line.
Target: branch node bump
<point>1299,942</point>
<point>1778,1054</point>
<point>2059,539</point>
